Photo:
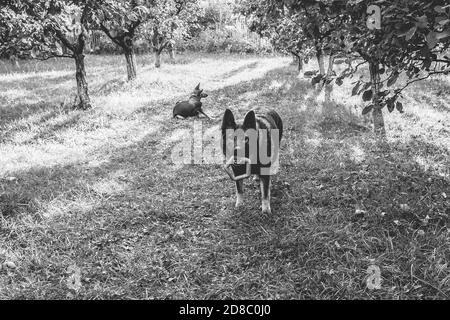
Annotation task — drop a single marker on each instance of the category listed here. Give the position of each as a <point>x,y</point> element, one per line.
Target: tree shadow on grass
<point>48,105</point>
<point>54,96</point>
<point>236,96</point>
<point>370,193</point>
<point>47,113</point>
<point>432,92</point>
<point>17,112</point>
<point>127,156</point>
<point>131,189</point>
<point>136,220</point>
<point>109,87</point>
<point>20,111</point>
<point>342,201</point>
<point>50,131</point>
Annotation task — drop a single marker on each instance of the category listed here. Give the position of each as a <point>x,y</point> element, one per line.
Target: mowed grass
<point>94,196</point>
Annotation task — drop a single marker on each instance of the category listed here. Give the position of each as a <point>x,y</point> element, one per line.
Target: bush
<point>225,41</point>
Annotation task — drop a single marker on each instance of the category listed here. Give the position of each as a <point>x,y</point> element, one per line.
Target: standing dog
<point>252,148</point>
<point>192,107</point>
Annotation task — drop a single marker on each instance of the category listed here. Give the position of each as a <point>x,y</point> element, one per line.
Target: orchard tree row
<point>44,29</point>
<point>400,42</point>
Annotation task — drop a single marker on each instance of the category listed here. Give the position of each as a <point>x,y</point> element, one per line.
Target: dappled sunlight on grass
<point>15,158</point>
<point>57,143</point>
<point>357,154</point>
<point>60,207</point>
<point>427,113</point>
<point>424,121</point>
<point>176,136</point>
<point>12,78</point>
<point>109,187</point>
<point>166,84</point>
<point>13,94</point>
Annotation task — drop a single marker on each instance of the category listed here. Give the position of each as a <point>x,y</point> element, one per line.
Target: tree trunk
<point>171,49</point>
<point>300,64</point>
<point>14,61</point>
<point>157,45</point>
<point>329,87</point>
<point>131,64</point>
<point>330,64</point>
<point>377,113</point>
<point>321,61</point>
<point>157,57</point>
<point>82,86</point>
<point>296,59</point>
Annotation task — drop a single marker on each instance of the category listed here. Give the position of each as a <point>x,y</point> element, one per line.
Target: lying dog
<point>252,148</point>
<point>192,107</point>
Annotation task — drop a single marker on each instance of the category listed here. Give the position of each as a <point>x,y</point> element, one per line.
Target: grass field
<point>93,208</point>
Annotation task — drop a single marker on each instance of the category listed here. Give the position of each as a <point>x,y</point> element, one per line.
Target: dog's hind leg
<point>265,184</point>
<point>239,193</point>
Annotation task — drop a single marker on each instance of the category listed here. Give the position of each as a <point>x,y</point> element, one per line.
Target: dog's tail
<point>277,119</point>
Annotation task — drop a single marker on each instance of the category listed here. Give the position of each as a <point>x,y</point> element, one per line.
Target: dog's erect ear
<point>197,87</point>
<point>228,121</point>
<point>250,120</point>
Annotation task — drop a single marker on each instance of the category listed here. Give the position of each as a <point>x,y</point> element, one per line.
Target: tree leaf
<point>309,74</point>
<point>368,95</point>
<point>356,88</point>
<point>317,79</point>
<point>367,109</point>
<point>390,105</point>
<point>411,33</point>
<point>393,79</point>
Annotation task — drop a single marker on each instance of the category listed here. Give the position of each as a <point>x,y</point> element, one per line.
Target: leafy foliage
<point>412,37</point>
<point>171,20</point>
<point>44,29</point>
<point>120,20</point>
<point>410,43</point>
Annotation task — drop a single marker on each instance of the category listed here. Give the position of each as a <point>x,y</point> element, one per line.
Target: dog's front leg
<point>265,183</point>
<point>239,193</point>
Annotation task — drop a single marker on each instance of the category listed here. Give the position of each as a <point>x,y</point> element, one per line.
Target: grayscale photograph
<point>224,150</point>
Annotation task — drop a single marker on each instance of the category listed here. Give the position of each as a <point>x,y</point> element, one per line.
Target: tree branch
<point>398,91</point>
<point>109,35</point>
<point>54,56</point>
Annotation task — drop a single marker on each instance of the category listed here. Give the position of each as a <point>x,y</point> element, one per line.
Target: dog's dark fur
<point>192,107</point>
<point>263,124</point>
